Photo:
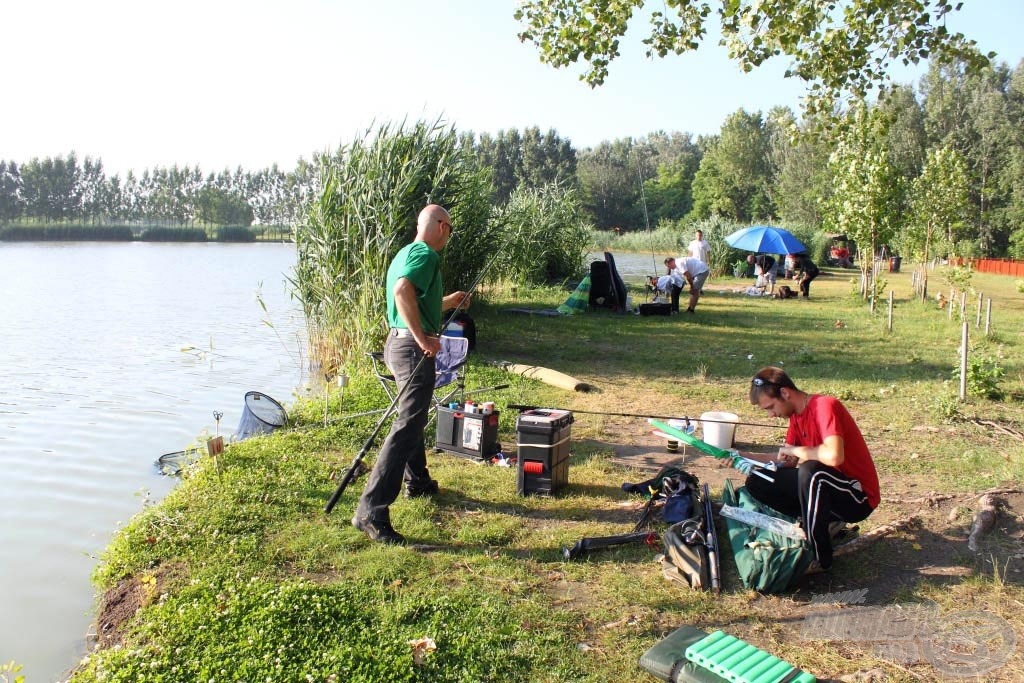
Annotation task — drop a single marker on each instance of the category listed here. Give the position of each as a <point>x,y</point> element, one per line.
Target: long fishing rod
<point>519,407</point>
<point>354,468</point>
<point>647,220</point>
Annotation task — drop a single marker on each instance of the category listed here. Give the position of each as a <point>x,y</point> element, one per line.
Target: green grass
<point>244,578</point>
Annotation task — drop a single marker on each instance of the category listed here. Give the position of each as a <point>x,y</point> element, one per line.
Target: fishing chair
<point>450,367</point>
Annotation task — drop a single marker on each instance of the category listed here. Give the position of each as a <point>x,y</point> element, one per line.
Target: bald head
<point>434,226</point>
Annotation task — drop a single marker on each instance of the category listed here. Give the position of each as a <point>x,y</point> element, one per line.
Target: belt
<point>404,332</point>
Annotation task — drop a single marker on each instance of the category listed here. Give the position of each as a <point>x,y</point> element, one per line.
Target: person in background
<point>699,249</point>
<point>789,266</point>
<point>766,268</point>
<point>825,473</point>
<point>414,302</point>
<point>805,272</point>
<point>694,272</point>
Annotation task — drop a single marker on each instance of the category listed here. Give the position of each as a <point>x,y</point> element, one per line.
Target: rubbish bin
<point>894,264</point>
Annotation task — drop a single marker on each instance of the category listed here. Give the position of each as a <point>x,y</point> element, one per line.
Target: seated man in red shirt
<point>825,471</point>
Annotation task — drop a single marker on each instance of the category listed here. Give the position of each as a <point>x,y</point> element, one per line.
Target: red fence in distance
<point>999,266</point>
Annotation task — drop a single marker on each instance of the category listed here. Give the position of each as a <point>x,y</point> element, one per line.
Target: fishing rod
<point>647,221</point>
<point>519,407</point>
<point>354,468</point>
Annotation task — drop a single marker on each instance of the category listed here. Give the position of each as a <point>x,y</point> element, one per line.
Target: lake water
<point>111,355</point>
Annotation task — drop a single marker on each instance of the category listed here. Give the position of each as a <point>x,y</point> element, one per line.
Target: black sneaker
<point>382,532</point>
<point>421,489</point>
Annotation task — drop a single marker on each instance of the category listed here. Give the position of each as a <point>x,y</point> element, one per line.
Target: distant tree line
<point>957,126</point>
<point>63,190</point>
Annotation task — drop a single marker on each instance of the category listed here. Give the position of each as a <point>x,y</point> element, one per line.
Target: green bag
<point>767,562</point>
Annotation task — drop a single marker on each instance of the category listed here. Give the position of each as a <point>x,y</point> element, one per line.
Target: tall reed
<point>546,235</point>
<point>362,210</point>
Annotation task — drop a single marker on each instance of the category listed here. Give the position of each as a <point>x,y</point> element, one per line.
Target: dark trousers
<point>403,454</point>
<point>674,291</point>
<point>805,284</point>
<point>817,493</point>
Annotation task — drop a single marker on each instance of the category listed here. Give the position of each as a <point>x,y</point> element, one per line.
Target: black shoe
<point>689,310</point>
<point>382,532</point>
<point>421,489</point>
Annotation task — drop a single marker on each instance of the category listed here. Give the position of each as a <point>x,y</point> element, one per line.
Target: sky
<point>225,83</point>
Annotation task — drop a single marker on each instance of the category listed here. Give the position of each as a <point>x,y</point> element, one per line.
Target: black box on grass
<point>655,309</point>
<point>469,435</point>
<point>542,449</point>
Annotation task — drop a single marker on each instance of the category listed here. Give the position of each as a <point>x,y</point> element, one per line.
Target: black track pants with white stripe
<point>819,494</point>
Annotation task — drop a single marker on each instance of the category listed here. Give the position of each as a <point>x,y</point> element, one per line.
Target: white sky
<point>223,83</point>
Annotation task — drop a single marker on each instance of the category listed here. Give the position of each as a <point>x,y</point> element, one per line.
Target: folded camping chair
<point>449,365</point>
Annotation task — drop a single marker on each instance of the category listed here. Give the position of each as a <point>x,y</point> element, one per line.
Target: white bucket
<point>722,431</point>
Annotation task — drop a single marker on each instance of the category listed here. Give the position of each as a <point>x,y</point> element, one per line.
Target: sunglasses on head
<point>759,382</point>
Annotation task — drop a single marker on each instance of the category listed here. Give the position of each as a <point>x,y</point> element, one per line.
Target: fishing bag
<point>655,309</point>
<point>766,561</point>
<point>686,559</point>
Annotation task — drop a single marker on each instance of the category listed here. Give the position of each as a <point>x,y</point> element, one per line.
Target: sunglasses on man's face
<point>446,224</point>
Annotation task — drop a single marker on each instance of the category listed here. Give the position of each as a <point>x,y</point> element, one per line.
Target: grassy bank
<point>239,576</point>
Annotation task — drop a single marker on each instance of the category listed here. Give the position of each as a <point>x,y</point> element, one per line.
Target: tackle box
<point>468,435</point>
<point>542,447</point>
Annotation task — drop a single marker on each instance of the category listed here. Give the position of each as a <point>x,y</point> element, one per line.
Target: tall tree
<point>940,205</point>
<point>11,200</point>
<point>868,194</point>
<point>734,173</point>
<point>801,181</point>
<point>610,184</point>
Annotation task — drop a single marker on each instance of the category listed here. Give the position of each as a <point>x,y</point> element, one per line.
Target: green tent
<point>578,300</point>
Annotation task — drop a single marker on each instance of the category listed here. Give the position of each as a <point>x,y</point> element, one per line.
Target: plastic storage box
<point>542,442</point>
<point>469,435</point>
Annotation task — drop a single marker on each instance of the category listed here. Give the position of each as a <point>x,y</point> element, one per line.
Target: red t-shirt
<point>825,416</point>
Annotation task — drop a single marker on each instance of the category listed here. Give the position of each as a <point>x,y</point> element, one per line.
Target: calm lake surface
<point>111,355</point>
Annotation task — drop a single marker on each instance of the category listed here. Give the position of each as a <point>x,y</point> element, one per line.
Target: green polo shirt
<point>420,265</point>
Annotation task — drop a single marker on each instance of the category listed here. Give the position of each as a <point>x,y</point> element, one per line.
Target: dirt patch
<point>120,604</point>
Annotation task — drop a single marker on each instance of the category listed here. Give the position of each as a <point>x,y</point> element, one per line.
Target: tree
<point>867,189</point>
<point>840,49</point>
<point>939,202</point>
<point>610,183</point>
<point>734,173</point>
<point>969,112</point>
<point>11,202</point>
<point>801,181</point>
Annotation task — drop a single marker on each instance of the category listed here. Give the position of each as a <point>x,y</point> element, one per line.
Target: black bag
<point>655,309</point>
<point>464,324</point>
<point>601,293</point>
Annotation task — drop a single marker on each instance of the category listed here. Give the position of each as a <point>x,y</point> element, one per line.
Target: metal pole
<point>963,363</point>
<point>952,302</point>
<point>988,318</point>
<point>963,306</point>
<point>981,297</point>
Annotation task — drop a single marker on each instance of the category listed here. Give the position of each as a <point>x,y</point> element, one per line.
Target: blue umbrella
<point>765,239</point>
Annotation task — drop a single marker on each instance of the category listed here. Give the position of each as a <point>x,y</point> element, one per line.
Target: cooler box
<point>469,435</point>
<point>542,448</point>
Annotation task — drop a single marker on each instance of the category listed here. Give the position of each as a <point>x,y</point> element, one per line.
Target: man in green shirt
<point>414,313</point>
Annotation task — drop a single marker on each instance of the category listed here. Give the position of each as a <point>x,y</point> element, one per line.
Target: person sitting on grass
<point>825,471</point>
